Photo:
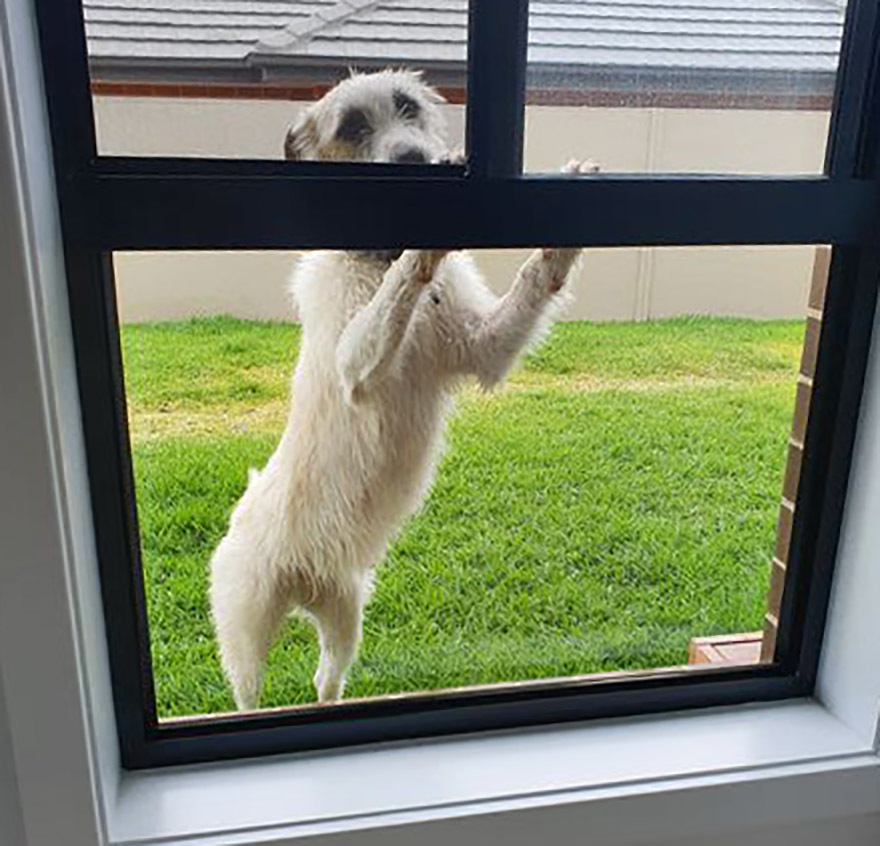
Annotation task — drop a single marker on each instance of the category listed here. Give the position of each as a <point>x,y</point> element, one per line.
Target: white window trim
<point>624,781</point>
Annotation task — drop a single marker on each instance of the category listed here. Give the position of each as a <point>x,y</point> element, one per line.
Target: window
<point>113,204</point>
<point>225,80</point>
<point>617,500</point>
<point>711,87</point>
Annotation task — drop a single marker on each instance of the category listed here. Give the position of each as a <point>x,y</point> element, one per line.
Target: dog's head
<point>389,116</point>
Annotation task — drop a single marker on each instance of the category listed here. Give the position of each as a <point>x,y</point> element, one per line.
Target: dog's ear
<point>301,141</point>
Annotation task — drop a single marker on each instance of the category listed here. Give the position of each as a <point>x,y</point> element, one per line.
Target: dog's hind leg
<point>247,614</point>
<point>338,619</point>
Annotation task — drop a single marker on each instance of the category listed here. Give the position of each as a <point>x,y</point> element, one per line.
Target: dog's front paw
<point>559,262</point>
<point>421,265</point>
<point>581,167</point>
<point>456,156</point>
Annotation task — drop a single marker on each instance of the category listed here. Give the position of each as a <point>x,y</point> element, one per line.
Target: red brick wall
<point>815,305</point>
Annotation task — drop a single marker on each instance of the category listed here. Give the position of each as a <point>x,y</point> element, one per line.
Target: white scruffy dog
<point>385,341</point>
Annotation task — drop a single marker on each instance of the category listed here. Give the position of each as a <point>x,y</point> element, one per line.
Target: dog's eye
<point>354,128</point>
<point>406,107</point>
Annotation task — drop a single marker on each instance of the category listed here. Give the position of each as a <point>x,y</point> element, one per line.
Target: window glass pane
<point>225,78</point>
<point>740,86</point>
<point>614,506</point>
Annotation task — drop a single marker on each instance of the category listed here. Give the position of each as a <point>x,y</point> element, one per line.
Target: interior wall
<point>11,824</point>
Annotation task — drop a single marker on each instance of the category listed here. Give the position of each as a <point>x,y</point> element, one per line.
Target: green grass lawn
<point>616,499</point>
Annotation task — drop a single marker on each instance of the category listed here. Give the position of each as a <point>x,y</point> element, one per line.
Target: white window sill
<point>786,762</point>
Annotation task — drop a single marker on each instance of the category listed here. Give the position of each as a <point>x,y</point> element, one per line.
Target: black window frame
<point>110,203</point>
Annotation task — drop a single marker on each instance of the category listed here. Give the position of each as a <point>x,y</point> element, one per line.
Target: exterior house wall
<point>618,284</point>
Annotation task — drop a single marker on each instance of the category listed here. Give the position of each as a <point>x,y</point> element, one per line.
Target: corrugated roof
<point>774,36</point>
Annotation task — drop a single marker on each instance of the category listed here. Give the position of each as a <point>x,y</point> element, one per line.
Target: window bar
<point>91,295</point>
<point>99,372</point>
<point>844,346</point>
<point>852,87</point>
<point>498,34</point>
<point>66,80</point>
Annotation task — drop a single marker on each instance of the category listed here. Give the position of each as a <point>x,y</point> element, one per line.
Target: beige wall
<point>161,126</point>
<point>747,141</point>
<point>622,284</point>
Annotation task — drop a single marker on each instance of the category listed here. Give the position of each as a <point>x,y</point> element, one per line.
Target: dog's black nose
<point>409,155</point>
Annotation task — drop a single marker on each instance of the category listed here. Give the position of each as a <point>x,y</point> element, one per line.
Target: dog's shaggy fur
<point>385,342</point>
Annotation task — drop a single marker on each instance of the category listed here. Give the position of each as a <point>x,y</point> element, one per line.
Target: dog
<point>386,339</point>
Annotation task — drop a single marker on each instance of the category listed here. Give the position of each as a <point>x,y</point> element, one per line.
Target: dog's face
<point>389,116</point>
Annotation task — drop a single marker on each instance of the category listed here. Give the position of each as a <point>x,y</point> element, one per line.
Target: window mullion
<point>497,53</point>
<point>844,346</point>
